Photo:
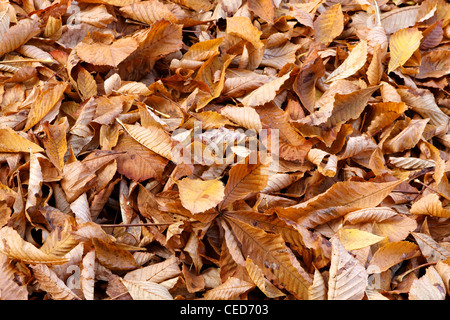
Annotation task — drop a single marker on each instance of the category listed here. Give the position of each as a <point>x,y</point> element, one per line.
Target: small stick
<point>28,60</point>
<point>113,225</point>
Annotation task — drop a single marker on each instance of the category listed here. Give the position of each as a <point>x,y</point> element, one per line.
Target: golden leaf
<point>329,24</point>
<point>243,28</point>
<point>391,254</point>
<point>86,84</point>
<point>260,281</point>
<point>402,45</point>
<point>47,99</point>
<point>55,142</point>
<point>59,242</point>
<point>430,205</point>
<point>198,195</point>
<point>263,9</point>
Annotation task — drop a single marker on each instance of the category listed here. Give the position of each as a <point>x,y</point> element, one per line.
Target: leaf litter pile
<point>351,202</point>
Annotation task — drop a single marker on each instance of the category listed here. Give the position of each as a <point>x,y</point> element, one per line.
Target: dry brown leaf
<point>103,50</point>
<point>260,281</point>
<point>266,93</point>
<point>340,199</point>
<point>430,249</point>
<point>355,61</point>
<point>429,287</point>
<point>148,12</point>
<point>15,247</point>
<point>19,34</point>
<point>430,205</point>
<point>146,290</point>
<point>49,282</point>
<point>231,289</point>
<point>348,277</point>
<point>271,255</point>
<point>246,178</point>
<point>45,102</point>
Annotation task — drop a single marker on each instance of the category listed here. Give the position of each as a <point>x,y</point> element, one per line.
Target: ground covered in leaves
<point>224,149</point>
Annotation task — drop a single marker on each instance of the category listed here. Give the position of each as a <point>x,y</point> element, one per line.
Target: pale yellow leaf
<point>87,276</point>
<point>377,214</point>
<point>157,272</point>
<point>353,239</point>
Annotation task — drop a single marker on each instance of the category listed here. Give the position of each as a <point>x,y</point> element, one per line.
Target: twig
<point>400,277</point>
<point>28,60</point>
<point>113,225</point>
